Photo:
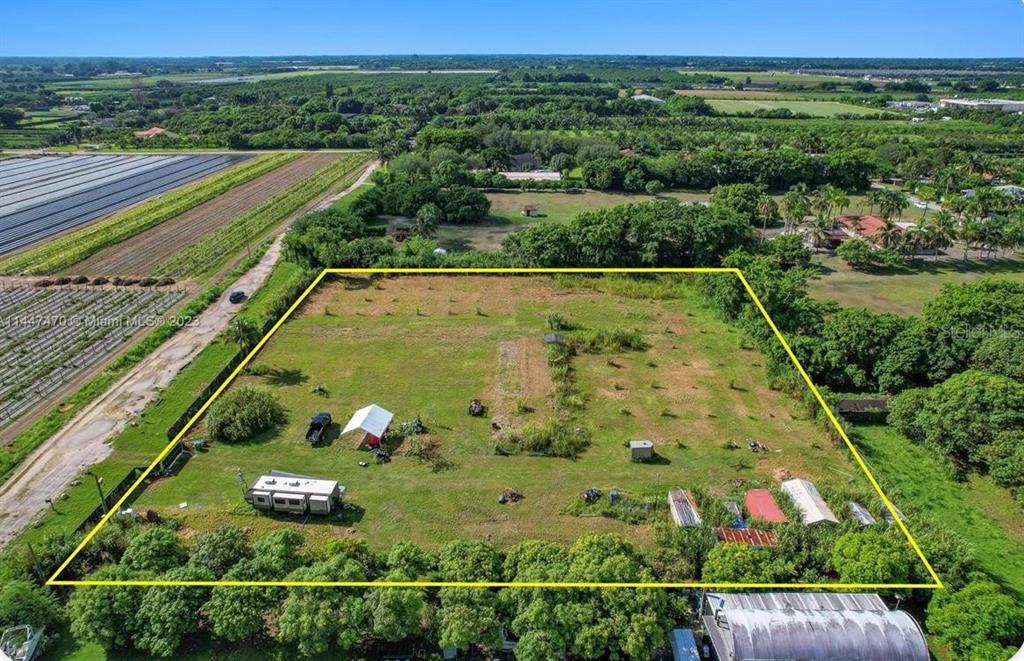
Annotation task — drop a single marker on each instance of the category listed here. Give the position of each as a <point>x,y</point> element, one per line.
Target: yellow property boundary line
<point>936,584</point>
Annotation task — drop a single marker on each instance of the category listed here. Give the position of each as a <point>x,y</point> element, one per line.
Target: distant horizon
<point>910,29</point>
<point>298,57</point>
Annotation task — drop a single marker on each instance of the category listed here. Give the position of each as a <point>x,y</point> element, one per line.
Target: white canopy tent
<point>371,419</point>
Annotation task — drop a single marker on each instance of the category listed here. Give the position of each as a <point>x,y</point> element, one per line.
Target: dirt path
<point>370,169</point>
<point>141,254</point>
<point>85,440</point>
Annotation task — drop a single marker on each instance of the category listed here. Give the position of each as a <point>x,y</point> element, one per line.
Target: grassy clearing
<point>816,108</point>
<point>978,510</point>
<point>904,291</point>
<point>506,214</point>
<point>427,345</point>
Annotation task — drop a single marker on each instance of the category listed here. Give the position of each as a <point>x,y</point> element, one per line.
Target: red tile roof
<point>761,505</point>
<point>863,225</point>
<point>749,536</point>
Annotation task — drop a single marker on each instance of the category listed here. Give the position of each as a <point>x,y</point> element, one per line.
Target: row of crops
<point>64,251</point>
<point>233,237</point>
<point>25,218</point>
<point>49,336</point>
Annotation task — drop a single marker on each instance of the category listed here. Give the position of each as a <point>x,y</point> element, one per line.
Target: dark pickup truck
<point>317,426</point>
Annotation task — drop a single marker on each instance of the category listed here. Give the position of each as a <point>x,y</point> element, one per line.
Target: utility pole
<point>99,489</point>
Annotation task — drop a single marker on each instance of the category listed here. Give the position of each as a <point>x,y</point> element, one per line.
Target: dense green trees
<point>980,621</point>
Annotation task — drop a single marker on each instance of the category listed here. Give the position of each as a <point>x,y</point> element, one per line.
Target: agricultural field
<point>246,230</point>
<point>775,77</point>
<point>58,253</point>
<point>48,336</point>
<point>46,196</point>
<point>815,108</point>
<point>147,250</point>
<point>425,346</point>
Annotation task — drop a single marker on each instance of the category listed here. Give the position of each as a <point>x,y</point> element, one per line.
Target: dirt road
<point>85,440</point>
<point>326,202</point>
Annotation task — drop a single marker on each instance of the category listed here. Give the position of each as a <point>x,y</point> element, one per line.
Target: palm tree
<point>893,203</point>
<point>795,206</point>
<point>839,199</point>
<point>768,211</point>
<point>244,333</point>
<point>874,197</point>
<point>943,231</point>
<point>889,236</point>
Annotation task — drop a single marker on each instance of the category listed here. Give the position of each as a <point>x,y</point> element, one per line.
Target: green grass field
<point>978,510</point>
<point>428,345</point>
<point>816,108</point>
<point>904,291</point>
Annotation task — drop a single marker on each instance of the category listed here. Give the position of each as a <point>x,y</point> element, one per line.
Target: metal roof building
<point>761,505</point>
<point>860,513</point>
<point>749,536</point>
<point>683,508</point>
<point>810,625</point>
<point>812,506</point>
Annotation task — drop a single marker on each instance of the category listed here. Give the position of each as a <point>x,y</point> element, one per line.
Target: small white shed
<point>641,450</point>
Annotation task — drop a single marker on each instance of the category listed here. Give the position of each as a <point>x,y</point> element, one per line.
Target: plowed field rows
<point>141,254</point>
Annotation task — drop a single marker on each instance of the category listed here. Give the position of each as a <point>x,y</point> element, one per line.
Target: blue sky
<point>820,28</point>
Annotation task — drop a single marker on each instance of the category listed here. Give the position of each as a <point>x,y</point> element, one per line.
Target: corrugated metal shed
<point>749,536</point>
<point>812,506</point>
<point>683,508</point>
<point>810,625</point>
<point>761,505</point>
<point>860,513</point>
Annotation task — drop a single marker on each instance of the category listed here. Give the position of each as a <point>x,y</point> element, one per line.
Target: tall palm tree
<point>943,230</point>
<point>874,197</point>
<point>889,236</point>
<point>795,207</point>
<point>768,211</point>
<point>839,199</point>
<point>893,203</point>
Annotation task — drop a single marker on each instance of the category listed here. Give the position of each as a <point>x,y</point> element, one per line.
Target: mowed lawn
<point>427,345</point>
<point>816,108</point>
<point>905,291</point>
<point>978,510</point>
<point>506,216</point>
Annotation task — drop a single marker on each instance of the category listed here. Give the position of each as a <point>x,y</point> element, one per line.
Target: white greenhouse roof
<point>371,419</point>
<point>810,625</point>
<point>812,506</point>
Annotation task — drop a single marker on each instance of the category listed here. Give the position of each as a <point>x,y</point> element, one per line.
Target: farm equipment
<point>381,454</point>
<point>317,426</point>
<point>510,496</point>
<point>476,408</point>
<point>411,427</point>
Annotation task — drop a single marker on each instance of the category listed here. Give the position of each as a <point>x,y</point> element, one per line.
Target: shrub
<point>553,438</point>
<point>241,414</point>
<point>605,341</point>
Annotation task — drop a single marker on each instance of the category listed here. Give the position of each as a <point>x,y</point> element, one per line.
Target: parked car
<point>317,426</point>
<point>236,296</point>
